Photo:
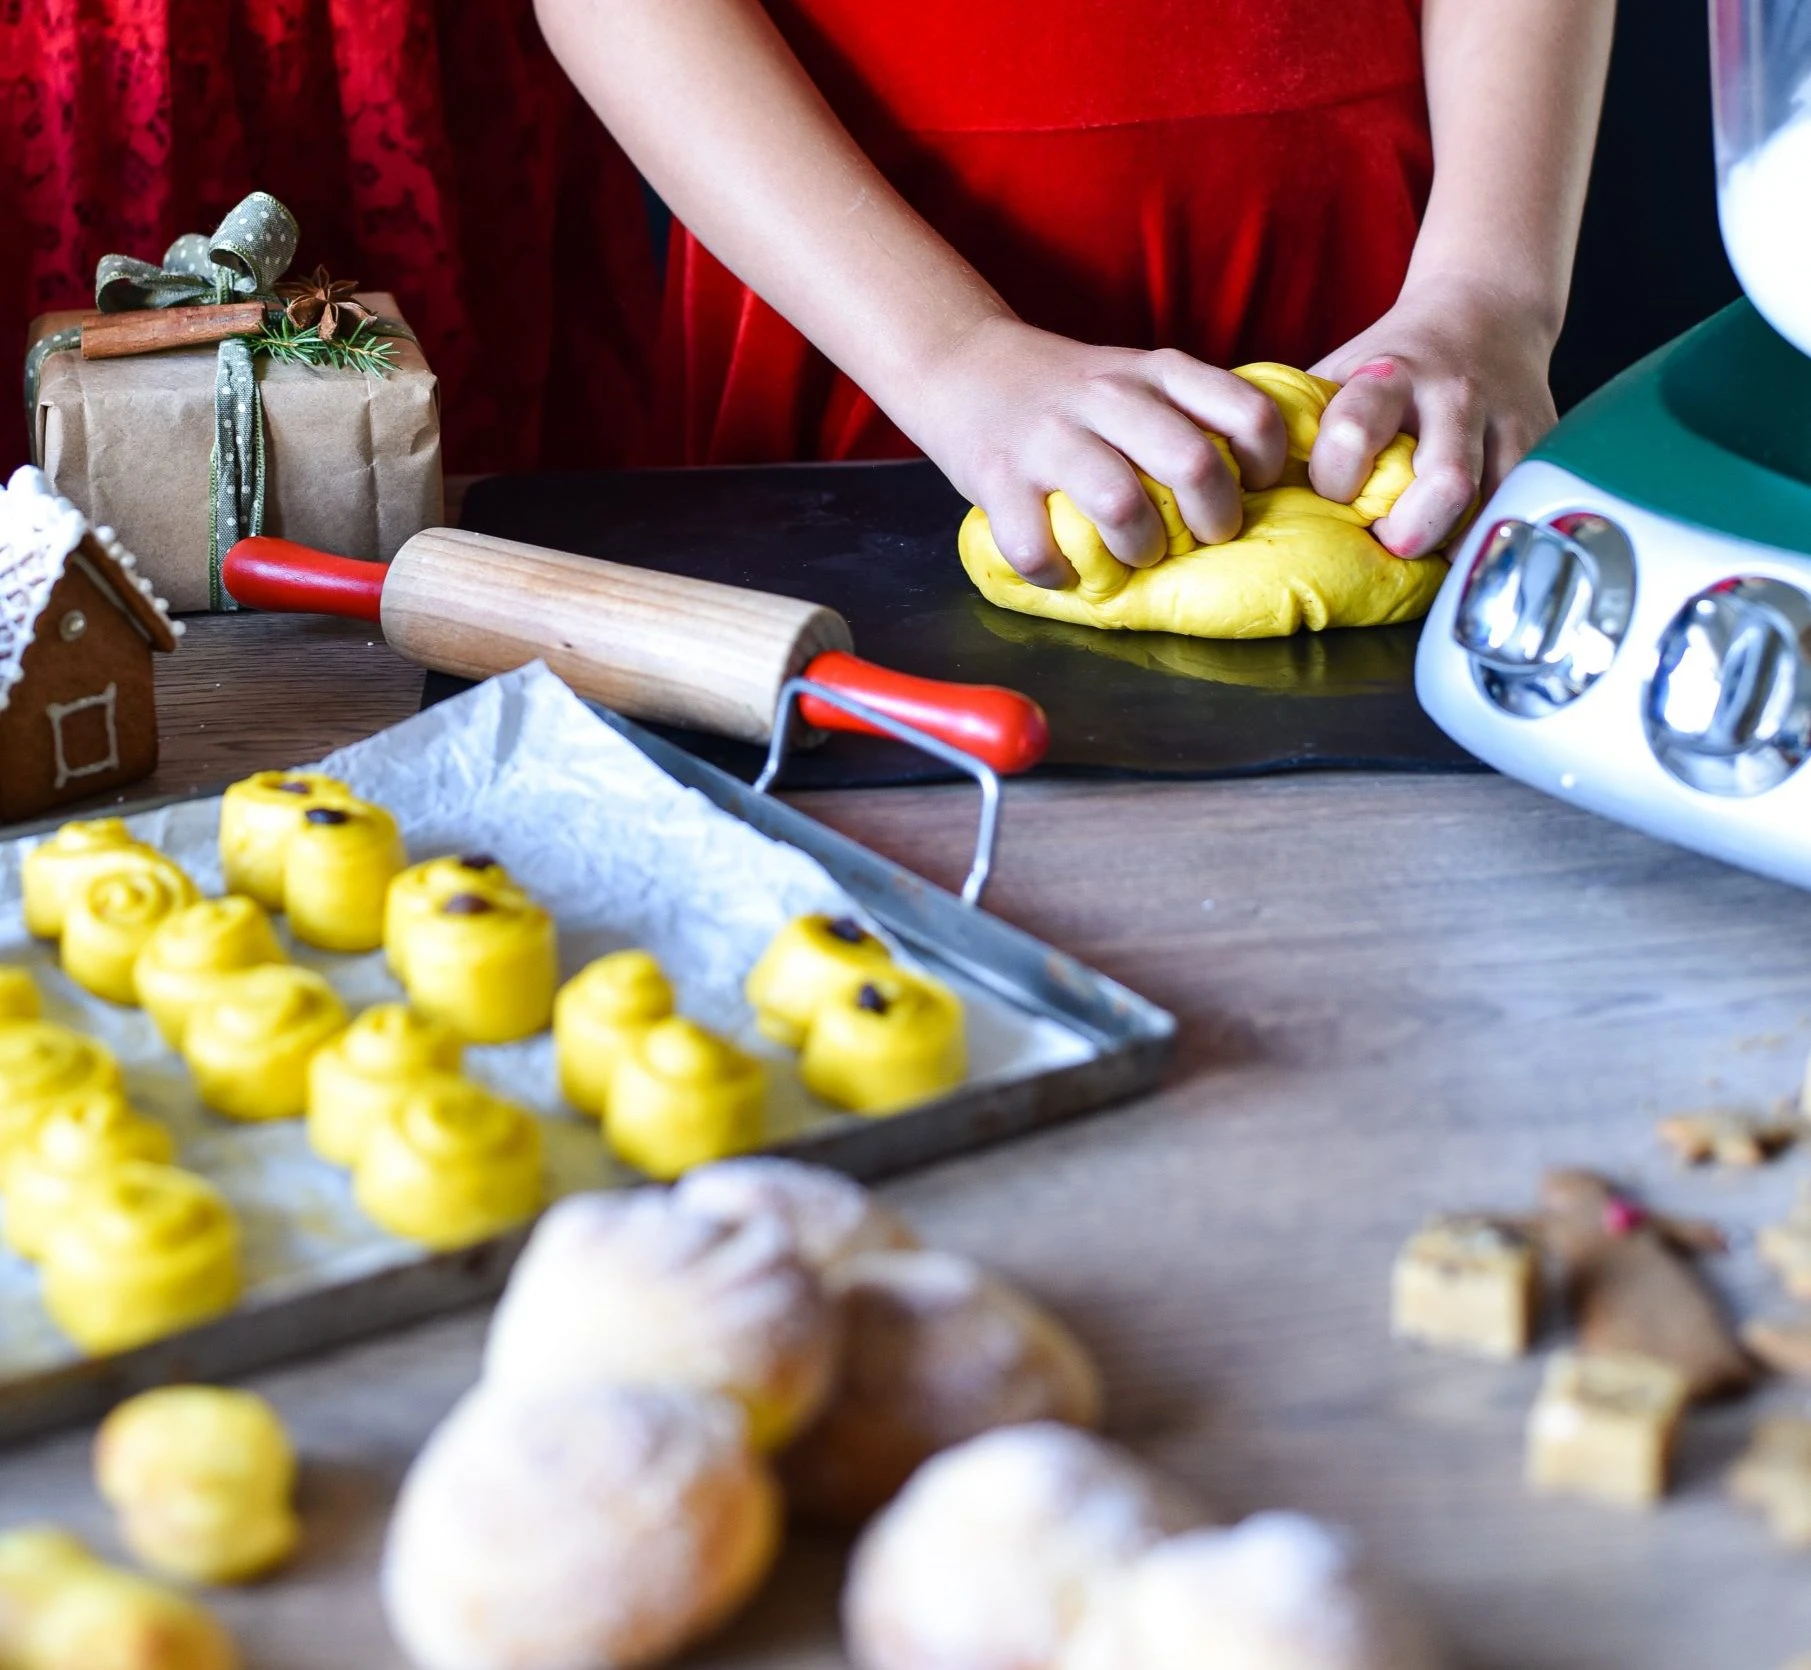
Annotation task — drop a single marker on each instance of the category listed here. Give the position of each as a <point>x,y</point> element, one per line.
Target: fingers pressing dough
<point>1300,560</point>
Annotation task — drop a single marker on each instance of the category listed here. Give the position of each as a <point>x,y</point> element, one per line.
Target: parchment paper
<point>619,852</point>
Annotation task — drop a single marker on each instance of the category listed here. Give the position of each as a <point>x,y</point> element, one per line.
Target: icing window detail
<point>72,626</point>
<point>61,713</point>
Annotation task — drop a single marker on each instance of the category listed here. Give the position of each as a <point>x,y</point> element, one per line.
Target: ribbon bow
<point>249,251</point>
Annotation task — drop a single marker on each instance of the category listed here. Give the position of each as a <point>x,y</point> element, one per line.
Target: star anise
<point>323,304</point>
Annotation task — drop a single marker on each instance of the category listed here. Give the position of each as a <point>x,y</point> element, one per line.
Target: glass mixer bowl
<point>1761,70</point>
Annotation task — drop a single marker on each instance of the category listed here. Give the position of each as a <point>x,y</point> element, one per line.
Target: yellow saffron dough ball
<point>883,1045</point>
<point>63,1609</point>
<point>806,964</point>
<point>453,1165</point>
<point>359,1079</point>
<point>337,870</point>
<point>682,1097</point>
<point>598,1014</point>
<point>143,1251</point>
<point>53,869</point>
<point>201,1478</point>
<point>249,1040</point>
<point>109,919</point>
<point>41,1064</point>
<point>423,888</point>
<point>186,954</point>
<point>257,818</point>
<point>486,964</point>
<point>19,999</point>
<point>74,1141</point>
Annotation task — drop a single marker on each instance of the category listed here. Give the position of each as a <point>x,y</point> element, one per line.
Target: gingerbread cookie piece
<point>1773,1475</point>
<point>1466,1284</point>
<point>1786,1246</point>
<point>1603,1426</point>
<point>1728,1137</point>
<point>1632,1288</point>
<point>1781,1343</point>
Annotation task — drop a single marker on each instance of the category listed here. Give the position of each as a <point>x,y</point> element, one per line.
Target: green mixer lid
<point>1714,430</point>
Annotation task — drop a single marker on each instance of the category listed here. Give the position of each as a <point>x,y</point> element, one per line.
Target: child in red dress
<point>1024,235</point>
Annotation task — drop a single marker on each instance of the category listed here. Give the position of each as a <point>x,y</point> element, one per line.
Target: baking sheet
<point>620,852</point>
<point>877,543</point>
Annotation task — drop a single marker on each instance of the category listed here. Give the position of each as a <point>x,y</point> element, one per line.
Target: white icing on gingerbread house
<point>78,627</point>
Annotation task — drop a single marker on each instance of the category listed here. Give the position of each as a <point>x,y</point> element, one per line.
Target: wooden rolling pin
<point>653,646</point>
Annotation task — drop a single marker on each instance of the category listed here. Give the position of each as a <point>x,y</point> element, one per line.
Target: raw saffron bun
<point>75,1140</point>
<point>831,1217</point>
<point>258,816</point>
<point>186,953</point>
<point>808,962</point>
<point>484,963</point>
<point>62,1609</point>
<point>634,1289</point>
<point>423,888</point>
<point>995,1550</point>
<point>592,1525</point>
<point>1277,1592</point>
<point>109,919</point>
<point>144,1251</point>
<point>889,1042</point>
<point>201,1479</point>
<point>452,1165</point>
<point>19,999</point>
<point>598,1014</point>
<point>250,1038</point>
<point>360,1078</point>
<point>681,1097</point>
<point>42,1063</point>
<point>337,868</point>
<point>53,869</point>
<point>936,1351</point>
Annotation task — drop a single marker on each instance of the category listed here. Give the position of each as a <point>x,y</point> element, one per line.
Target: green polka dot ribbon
<point>249,251</point>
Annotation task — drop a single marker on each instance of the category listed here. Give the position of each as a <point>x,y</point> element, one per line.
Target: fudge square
<point>1603,1427</point>
<point>1466,1284</point>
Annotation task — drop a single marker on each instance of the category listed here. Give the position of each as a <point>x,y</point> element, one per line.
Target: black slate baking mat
<point>877,543</point>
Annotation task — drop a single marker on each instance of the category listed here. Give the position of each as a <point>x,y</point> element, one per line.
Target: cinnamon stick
<point>148,330</point>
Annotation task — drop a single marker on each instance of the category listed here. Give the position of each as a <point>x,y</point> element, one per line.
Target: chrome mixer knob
<point>1544,609</point>
<point>1729,706</point>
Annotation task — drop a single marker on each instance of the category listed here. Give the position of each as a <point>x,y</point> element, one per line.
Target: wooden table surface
<point>1397,995</point>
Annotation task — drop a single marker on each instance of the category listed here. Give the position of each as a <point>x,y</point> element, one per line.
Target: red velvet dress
<point>428,147</point>
<point>1242,179</point>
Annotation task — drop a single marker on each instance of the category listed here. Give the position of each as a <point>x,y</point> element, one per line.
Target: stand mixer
<point>1628,623</point>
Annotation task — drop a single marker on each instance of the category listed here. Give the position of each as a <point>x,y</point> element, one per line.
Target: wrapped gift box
<point>352,463</point>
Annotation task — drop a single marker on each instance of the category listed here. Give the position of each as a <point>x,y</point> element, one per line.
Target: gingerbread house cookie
<point>78,628</point>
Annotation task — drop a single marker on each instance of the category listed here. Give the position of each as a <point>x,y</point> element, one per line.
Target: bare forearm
<point>1515,88</point>
<point>712,106</point>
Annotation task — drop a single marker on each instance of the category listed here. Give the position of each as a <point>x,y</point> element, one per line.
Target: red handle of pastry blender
<point>279,575</point>
<point>1007,730</point>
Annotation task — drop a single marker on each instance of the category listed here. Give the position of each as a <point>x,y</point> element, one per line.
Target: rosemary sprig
<point>360,349</point>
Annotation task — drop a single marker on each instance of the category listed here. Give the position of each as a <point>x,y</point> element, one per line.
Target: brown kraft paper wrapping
<point>352,462</point>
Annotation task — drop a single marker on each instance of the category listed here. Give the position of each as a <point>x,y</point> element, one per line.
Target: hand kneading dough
<point>993,1551</point>
<point>1278,1592</point>
<point>1299,561</point>
<point>62,1609</point>
<point>935,1351</point>
<point>832,1217</point>
<point>581,1528</point>
<point>634,1289</point>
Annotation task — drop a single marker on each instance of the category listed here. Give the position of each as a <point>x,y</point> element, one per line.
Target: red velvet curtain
<point>428,147</point>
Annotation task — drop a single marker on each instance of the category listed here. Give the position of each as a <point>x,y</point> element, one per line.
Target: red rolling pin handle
<point>1007,730</point>
<point>287,578</point>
